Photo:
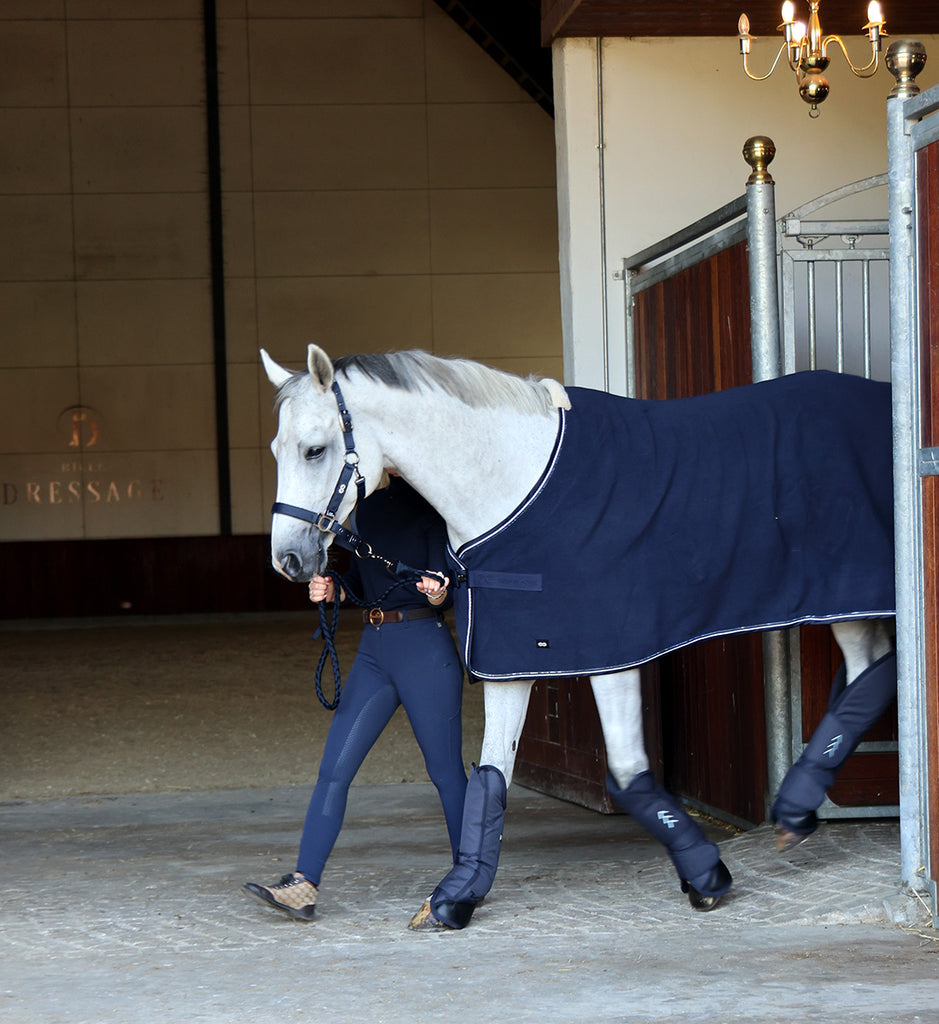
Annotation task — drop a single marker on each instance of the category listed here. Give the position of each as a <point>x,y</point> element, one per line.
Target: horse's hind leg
<point>452,903</point>
<point>632,786</point>
<point>861,692</point>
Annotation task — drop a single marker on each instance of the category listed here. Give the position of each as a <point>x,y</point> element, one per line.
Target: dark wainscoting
<point>142,576</point>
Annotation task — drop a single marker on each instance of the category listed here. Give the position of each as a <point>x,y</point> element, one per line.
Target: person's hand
<point>321,589</point>
<point>433,589</point>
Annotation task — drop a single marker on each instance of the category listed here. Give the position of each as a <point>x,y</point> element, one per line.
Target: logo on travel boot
<point>833,745</point>
<point>667,819</point>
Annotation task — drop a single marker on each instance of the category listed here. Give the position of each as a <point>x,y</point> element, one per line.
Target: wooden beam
<point>554,13</point>
<point>677,18</point>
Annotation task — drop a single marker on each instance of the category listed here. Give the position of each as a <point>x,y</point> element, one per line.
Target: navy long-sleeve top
<point>400,526</point>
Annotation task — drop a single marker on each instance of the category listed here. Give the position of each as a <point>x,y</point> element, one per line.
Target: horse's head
<point>311,453</point>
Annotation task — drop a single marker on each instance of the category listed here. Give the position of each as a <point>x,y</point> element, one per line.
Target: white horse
<point>475,442</point>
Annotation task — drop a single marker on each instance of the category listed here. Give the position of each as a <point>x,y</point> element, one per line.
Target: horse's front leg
<point>632,786</point>
<point>452,903</point>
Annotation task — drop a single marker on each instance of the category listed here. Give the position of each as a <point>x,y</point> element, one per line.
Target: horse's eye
<point>312,454</point>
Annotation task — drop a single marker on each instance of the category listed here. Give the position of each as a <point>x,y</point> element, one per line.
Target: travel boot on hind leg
<point>703,875</point>
<point>452,903</point>
<point>852,710</point>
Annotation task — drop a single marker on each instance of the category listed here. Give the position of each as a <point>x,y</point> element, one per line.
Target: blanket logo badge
<point>542,645</point>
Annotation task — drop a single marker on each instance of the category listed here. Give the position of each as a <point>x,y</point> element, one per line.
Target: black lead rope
<point>329,624</point>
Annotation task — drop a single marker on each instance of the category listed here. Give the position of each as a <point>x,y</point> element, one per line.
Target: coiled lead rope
<point>329,624</point>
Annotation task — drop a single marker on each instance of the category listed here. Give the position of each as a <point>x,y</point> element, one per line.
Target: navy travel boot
<point>453,901</point>
<point>697,860</point>
<point>852,710</point>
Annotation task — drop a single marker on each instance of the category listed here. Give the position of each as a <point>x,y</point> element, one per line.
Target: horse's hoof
<point>787,840</point>
<point>424,920</point>
<point>701,902</point>
<point>717,882</point>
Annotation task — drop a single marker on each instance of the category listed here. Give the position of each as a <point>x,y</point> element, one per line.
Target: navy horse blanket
<point>658,524</point>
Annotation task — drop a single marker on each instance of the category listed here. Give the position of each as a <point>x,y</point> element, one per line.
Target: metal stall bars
<point>835,287</point>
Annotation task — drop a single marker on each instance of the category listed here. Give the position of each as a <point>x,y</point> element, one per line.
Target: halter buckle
<point>325,522</point>
<point>376,617</point>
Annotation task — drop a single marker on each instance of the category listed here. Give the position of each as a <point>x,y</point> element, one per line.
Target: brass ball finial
<point>758,152</point>
<point>814,90</point>
<point>905,58</point>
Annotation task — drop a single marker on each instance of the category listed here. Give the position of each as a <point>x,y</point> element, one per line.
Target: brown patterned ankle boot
<point>292,894</point>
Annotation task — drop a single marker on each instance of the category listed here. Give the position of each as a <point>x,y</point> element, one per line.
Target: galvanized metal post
<point>767,364</point>
<point>904,363</point>
<point>761,236</point>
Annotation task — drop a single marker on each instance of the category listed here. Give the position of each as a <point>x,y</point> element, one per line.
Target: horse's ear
<point>320,366</point>
<point>276,374</point>
<point>556,390</point>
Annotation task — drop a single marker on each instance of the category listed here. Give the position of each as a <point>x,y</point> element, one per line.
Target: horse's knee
<point>863,643</point>
<point>506,705</point>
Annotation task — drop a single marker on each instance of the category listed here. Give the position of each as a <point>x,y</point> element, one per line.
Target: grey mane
<point>476,385</point>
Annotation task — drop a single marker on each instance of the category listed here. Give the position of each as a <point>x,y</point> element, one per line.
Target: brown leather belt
<point>379,616</point>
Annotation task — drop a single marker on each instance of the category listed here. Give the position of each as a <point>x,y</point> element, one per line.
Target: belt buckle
<point>376,617</point>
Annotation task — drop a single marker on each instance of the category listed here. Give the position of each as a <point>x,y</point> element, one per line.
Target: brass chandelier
<point>806,48</point>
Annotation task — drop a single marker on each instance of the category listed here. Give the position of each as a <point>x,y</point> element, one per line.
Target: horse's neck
<point>475,466</point>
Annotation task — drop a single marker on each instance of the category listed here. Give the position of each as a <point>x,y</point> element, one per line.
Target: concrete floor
<point>128,909</point>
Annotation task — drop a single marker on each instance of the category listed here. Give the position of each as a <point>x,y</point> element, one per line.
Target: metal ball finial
<point>905,58</point>
<point>758,151</point>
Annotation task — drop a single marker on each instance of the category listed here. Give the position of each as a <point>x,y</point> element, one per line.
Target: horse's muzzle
<point>291,567</point>
<point>300,566</point>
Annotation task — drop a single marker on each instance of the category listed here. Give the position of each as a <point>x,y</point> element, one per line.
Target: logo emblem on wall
<point>79,424</point>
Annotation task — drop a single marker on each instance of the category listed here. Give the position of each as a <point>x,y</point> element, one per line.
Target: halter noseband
<point>326,521</point>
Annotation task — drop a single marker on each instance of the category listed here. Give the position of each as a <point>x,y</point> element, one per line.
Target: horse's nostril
<point>291,565</point>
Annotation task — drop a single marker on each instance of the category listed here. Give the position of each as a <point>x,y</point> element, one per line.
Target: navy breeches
<point>414,664</point>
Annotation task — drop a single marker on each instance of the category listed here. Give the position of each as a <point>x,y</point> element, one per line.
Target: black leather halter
<point>326,521</point>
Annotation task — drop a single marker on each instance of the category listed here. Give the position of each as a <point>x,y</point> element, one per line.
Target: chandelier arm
<point>794,55</point>
<point>762,78</point>
<point>864,72</point>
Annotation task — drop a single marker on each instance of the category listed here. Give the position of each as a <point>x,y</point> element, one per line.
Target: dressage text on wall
<point>80,479</point>
<point>89,485</point>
